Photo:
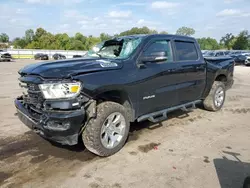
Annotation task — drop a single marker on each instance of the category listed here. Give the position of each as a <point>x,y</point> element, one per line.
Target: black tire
<point>209,102</point>
<point>91,134</point>
<point>247,183</point>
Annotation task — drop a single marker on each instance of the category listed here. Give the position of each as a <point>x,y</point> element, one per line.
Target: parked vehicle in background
<point>5,56</point>
<point>214,54</point>
<point>41,56</point>
<point>247,61</point>
<point>204,52</point>
<point>130,78</point>
<point>77,56</point>
<point>58,56</point>
<point>238,57</point>
<point>245,53</point>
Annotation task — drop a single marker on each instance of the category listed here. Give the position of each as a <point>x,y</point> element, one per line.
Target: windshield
<point>115,48</point>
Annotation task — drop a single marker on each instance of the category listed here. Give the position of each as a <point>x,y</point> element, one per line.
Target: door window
<point>185,51</point>
<point>160,46</point>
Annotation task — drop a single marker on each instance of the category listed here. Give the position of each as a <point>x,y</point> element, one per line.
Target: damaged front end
<point>57,119</point>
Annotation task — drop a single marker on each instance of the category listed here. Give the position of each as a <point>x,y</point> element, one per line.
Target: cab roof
<point>155,36</point>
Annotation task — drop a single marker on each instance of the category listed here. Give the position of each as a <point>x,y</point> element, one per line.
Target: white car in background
<point>247,61</point>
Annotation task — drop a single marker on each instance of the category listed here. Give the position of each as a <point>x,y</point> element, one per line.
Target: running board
<point>163,113</point>
<point>186,108</point>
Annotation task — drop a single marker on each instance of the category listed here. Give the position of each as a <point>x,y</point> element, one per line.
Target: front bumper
<point>58,126</point>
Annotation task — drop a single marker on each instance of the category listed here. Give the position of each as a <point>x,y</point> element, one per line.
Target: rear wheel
<point>216,98</point>
<point>107,133</point>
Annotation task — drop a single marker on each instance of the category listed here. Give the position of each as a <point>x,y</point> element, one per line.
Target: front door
<point>157,80</point>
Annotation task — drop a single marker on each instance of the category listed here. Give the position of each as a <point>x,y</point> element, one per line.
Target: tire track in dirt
<point>237,110</point>
<point>28,157</point>
<point>236,98</point>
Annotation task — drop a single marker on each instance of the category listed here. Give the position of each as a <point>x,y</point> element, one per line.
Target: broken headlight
<point>60,90</point>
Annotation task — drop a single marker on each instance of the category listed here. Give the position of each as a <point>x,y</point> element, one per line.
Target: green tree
<point>29,35</point>
<point>39,32</point>
<point>187,31</point>
<point>76,45</point>
<point>136,30</point>
<point>46,41</point>
<point>4,38</point>
<point>80,37</point>
<point>63,41</point>
<point>19,43</point>
<point>208,44</point>
<point>104,36</point>
<point>163,32</point>
<point>228,40</point>
<point>92,41</point>
<point>242,41</point>
<point>33,45</point>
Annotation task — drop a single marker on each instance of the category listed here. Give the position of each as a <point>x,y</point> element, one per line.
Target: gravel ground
<point>198,149</point>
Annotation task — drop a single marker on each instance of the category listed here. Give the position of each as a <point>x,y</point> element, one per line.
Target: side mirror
<point>154,57</point>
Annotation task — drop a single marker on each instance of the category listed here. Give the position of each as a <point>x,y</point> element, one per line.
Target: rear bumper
<point>58,126</point>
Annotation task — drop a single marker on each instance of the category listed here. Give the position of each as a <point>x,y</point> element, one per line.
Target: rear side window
<point>185,51</point>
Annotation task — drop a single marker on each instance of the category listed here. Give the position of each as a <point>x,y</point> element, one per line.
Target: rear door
<point>191,70</point>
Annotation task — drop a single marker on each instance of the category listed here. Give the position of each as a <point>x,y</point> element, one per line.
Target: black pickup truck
<point>126,79</point>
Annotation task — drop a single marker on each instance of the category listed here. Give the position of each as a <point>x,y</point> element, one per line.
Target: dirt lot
<point>198,149</point>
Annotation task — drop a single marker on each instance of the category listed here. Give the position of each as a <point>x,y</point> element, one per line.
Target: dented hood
<point>70,67</point>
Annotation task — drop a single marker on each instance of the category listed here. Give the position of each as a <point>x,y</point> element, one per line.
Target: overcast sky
<point>210,18</point>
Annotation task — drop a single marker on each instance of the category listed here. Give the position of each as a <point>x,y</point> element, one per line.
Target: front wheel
<point>216,98</point>
<point>247,182</point>
<point>107,133</point>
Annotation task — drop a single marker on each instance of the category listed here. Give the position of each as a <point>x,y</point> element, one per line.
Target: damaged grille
<point>32,95</point>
